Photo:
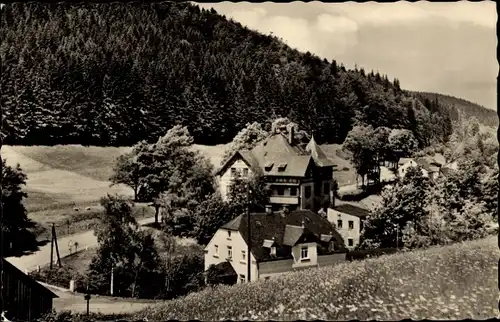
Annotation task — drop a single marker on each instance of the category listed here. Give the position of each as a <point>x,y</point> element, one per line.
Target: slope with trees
<point>116,74</point>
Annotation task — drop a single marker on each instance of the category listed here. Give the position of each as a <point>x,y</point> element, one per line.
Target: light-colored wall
<point>313,255</point>
<point>238,244</point>
<point>345,232</point>
<point>277,268</point>
<point>226,177</point>
<point>403,169</point>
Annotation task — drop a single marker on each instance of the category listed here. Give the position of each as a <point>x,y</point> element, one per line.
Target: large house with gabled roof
<point>299,174</point>
<point>281,241</point>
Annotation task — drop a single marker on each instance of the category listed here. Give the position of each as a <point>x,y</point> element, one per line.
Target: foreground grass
<point>451,282</point>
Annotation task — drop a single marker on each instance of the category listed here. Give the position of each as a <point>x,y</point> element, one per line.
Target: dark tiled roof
<point>317,154</point>
<point>292,235</point>
<point>285,229</point>
<point>424,164</point>
<point>352,210</point>
<point>276,150</point>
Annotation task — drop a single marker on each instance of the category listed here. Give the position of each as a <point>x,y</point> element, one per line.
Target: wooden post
<point>52,247</point>
<point>57,247</point>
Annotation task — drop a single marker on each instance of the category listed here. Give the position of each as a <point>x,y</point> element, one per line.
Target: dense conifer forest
<point>465,108</point>
<point>115,74</point>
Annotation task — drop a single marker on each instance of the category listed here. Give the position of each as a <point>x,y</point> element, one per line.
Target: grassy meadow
<point>64,178</point>
<point>447,282</point>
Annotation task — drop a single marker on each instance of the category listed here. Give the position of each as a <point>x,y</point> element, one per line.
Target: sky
<point>449,48</point>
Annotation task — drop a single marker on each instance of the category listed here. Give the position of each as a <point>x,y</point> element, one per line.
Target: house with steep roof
<point>430,169</point>
<point>280,242</point>
<point>299,175</point>
<point>348,222</point>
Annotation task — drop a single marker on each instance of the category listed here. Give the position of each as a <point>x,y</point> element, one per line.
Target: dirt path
<point>76,303</point>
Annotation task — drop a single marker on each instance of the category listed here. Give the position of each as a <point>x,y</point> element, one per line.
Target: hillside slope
<point>451,282</point>
<point>114,73</point>
<point>465,108</point>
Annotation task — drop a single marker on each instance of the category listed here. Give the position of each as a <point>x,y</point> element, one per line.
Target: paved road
<point>42,256</point>
<point>76,303</point>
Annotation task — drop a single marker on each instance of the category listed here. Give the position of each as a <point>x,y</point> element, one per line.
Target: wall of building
<point>332,259</point>
<point>312,252</point>
<point>346,233</point>
<point>226,178</point>
<point>238,244</point>
<point>404,168</point>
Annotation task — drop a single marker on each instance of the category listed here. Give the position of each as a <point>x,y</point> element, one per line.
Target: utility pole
<point>51,246</point>
<point>112,280</point>
<point>249,233</point>
<point>54,237</point>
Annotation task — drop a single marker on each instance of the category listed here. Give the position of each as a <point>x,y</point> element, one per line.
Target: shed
<point>24,298</point>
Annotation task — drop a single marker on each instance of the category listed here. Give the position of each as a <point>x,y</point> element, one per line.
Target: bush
<point>61,276</point>
<point>369,253</point>
<point>450,282</point>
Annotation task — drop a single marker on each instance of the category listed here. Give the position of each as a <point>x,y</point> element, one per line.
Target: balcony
<point>284,200</point>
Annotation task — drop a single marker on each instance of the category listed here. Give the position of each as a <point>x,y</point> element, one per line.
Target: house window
<point>293,191</point>
<point>245,172</point>
<point>233,172</point>
<point>326,187</point>
<point>339,223</point>
<point>350,242</point>
<point>243,256</point>
<point>228,234</point>
<point>266,278</point>
<point>216,251</point>
<point>242,278</point>
<point>308,192</point>
<point>351,224</point>
<point>331,246</point>
<point>281,191</point>
<point>273,250</point>
<point>304,253</point>
<point>229,252</point>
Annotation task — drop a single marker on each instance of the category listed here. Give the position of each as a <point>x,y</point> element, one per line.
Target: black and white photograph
<point>248,161</point>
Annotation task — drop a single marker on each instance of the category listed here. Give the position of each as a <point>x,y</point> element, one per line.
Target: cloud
<point>481,13</point>
<point>333,24</point>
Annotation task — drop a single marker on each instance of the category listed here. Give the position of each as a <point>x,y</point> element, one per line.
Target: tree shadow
<point>22,243</point>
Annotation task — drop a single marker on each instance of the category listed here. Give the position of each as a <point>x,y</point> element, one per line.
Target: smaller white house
<point>348,222</point>
<point>429,169</point>
<point>280,242</point>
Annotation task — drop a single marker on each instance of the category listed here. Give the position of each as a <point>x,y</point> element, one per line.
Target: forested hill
<point>466,109</point>
<point>114,74</point>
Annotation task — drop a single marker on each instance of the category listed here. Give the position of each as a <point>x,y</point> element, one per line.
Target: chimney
<point>290,135</point>
<point>269,209</point>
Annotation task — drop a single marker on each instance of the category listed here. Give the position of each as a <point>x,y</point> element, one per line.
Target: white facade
<point>238,166</point>
<point>403,169</point>
<point>230,241</point>
<point>348,226</point>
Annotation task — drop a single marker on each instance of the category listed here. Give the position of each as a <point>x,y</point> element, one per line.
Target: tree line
<point>116,74</point>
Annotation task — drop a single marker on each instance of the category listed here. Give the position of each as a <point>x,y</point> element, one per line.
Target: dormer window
<point>304,253</point>
<point>281,167</point>
<point>268,166</point>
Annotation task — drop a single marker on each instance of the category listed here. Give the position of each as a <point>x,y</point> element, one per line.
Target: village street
<point>41,257</point>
